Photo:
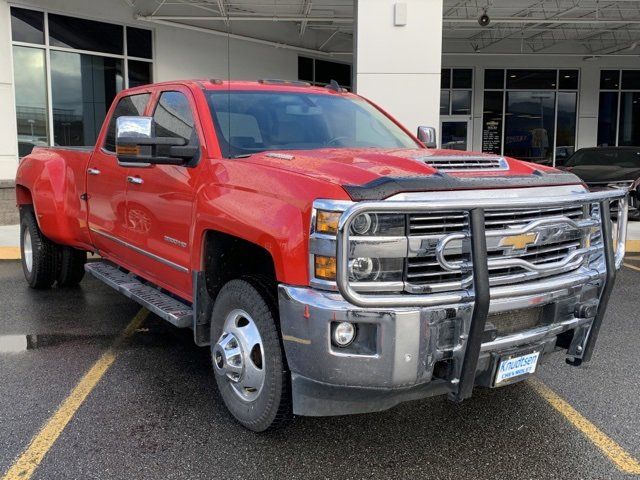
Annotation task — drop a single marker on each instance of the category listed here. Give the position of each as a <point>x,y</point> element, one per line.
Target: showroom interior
<point>530,79</point>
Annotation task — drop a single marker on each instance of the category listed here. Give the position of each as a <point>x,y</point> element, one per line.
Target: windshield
<point>617,158</point>
<point>250,122</point>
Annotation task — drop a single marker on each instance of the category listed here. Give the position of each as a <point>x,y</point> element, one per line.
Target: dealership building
<point>531,79</point>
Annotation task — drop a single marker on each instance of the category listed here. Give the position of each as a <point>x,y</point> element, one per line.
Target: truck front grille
<point>425,270</point>
<point>506,323</point>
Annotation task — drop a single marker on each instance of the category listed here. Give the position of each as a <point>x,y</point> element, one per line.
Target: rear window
<point>130,106</point>
<point>618,158</point>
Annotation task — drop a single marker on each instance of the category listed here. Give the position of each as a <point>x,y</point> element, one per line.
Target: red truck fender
<point>274,218</point>
<point>46,180</point>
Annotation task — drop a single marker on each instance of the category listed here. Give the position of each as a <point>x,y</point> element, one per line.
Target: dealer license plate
<point>514,368</point>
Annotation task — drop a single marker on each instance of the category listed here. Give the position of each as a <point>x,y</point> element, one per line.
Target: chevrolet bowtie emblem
<point>519,242</point>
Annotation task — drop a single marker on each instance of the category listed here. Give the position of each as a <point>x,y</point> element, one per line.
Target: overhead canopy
<point>325,27</point>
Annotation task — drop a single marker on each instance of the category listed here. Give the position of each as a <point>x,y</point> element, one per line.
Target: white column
<point>398,66</point>
<point>588,105</point>
<point>8,135</point>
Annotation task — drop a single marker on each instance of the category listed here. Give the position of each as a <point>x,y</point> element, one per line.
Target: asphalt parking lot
<point>156,412</point>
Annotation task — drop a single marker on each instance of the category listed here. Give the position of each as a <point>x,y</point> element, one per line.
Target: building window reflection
<point>31,99</point>
<point>70,109</point>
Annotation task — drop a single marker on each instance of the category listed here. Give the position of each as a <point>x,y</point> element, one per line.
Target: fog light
<point>343,334</point>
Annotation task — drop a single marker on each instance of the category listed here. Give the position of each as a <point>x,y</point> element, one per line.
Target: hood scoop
<point>464,163</point>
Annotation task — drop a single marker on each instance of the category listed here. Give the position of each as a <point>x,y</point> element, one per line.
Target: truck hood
<point>377,173</point>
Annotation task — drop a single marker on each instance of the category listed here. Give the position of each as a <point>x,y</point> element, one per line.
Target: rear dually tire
<point>40,256</point>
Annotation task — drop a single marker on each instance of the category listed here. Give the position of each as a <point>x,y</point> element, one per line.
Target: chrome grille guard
<point>481,293</point>
<point>476,209</point>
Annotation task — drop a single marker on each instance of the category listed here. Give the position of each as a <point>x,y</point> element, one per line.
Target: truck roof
<point>264,84</point>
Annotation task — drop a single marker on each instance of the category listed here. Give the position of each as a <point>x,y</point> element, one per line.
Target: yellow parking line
<point>27,463</point>
<point>632,267</point>
<point>9,253</point>
<point>619,456</point>
<point>633,246</point>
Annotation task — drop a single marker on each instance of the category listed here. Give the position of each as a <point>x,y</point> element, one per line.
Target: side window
<point>173,117</point>
<point>133,105</point>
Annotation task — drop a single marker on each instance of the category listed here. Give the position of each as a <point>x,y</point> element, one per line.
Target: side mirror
<point>136,144</point>
<point>427,135</point>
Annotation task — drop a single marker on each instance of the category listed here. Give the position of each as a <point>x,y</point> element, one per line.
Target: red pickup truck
<point>333,262</point>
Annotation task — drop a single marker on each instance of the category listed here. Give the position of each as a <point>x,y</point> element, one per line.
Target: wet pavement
<point>156,412</point>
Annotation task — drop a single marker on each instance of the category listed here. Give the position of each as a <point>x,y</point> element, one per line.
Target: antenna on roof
<point>335,86</point>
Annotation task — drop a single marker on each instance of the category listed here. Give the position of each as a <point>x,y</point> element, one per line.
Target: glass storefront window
<point>619,108</point>
<point>631,80</point>
<point>607,118</point>
<point>445,78</point>
<point>531,79</point>
<point>462,78</point>
<point>568,79</point>
<point>494,79</point>
<point>139,73</point>
<point>444,102</point>
<point>82,89</point>
<point>566,130</point>
<point>456,91</point>
<point>31,98</point>
<point>321,72</point>
<point>454,135</point>
<point>139,43</point>
<point>529,126</point>
<point>27,26</point>
<point>460,102</point>
<point>540,113</point>
<point>70,110</point>
<point>629,129</point>
<point>81,34</point>
<point>609,79</point>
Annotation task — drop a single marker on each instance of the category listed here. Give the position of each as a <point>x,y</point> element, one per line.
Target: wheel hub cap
<point>27,250</point>
<point>239,355</point>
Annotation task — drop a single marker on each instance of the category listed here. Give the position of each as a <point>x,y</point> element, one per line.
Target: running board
<point>166,307</point>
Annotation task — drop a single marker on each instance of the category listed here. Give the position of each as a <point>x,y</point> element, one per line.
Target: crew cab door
<point>160,200</point>
<point>107,184</point>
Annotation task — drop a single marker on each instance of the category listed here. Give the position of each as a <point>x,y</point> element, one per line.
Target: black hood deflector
<point>385,187</point>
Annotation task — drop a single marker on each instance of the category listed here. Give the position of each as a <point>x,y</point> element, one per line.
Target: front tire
<point>247,356</point>
<point>40,256</point>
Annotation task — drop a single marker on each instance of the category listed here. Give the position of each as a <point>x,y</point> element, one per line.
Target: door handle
<point>93,171</point>
<point>135,180</point>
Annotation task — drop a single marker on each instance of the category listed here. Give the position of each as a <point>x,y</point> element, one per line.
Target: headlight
<point>366,224</point>
<point>366,269</point>
<point>363,223</point>
<point>371,259</point>
<point>377,224</point>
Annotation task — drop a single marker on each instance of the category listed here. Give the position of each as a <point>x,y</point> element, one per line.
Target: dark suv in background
<point>608,167</point>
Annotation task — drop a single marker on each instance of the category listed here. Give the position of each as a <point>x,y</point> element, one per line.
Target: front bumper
<point>414,345</point>
<point>408,353</point>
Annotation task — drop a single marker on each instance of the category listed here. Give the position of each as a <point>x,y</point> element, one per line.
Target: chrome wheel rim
<point>27,250</point>
<point>238,355</point>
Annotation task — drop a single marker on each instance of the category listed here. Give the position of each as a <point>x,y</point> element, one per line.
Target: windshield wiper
<point>244,155</point>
